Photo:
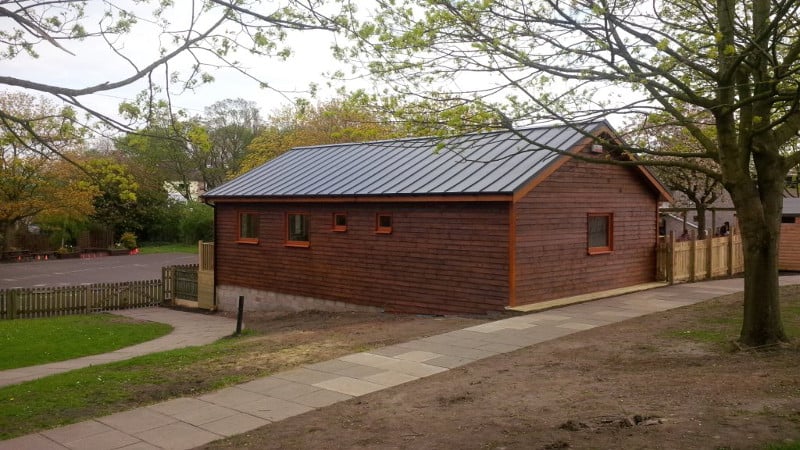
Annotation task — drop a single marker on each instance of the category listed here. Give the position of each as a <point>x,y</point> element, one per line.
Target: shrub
<point>128,240</point>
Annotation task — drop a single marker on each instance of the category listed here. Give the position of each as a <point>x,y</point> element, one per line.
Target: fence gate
<point>180,284</point>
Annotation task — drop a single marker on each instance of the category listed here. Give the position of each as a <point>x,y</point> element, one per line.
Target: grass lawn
<point>29,342</point>
<point>149,248</point>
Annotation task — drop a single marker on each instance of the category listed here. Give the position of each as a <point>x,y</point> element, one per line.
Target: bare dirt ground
<point>664,381</point>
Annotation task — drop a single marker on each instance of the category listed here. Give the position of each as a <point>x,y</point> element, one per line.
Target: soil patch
<point>652,382</point>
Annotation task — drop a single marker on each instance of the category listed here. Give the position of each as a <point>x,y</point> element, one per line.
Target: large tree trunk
<point>759,216</point>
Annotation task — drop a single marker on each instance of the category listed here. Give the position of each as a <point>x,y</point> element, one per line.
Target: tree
<point>701,191</point>
<point>232,124</point>
<point>31,184</point>
<point>572,61</point>
<point>190,40</point>
<point>346,119</point>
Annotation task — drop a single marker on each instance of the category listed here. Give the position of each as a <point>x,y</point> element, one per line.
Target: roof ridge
<point>455,136</point>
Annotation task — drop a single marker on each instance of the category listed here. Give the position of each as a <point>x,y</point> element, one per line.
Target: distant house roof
<point>791,207</point>
<point>486,163</point>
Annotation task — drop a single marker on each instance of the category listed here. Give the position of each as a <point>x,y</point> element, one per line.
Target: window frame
<point>295,243</point>
<point>383,229</point>
<point>600,250</point>
<point>247,239</point>
<point>336,227</point>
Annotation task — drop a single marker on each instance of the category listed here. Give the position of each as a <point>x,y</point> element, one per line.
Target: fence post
<point>730,253</point>
<point>692,257</point>
<point>709,255</point>
<point>12,304</point>
<point>671,258</point>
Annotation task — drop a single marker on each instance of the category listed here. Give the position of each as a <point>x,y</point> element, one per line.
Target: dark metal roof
<point>485,163</point>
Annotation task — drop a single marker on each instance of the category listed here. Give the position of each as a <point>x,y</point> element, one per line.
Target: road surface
<point>107,269</point>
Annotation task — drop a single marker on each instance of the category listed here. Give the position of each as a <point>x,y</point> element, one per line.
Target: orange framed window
<point>339,222</point>
<point>383,223</point>
<point>600,233</point>
<point>297,230</point>
<point>248,228</point>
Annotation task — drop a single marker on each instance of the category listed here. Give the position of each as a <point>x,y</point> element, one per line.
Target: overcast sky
<point>94,63</point>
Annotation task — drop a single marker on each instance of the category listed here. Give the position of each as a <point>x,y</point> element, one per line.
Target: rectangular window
<point>297,230</point>
<point>339,222</point>
<point>600,233</point>
<point>383,223</point>
<point>248,228</point>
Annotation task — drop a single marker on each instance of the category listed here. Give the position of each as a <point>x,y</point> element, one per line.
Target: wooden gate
<point>180,284</point>
<point>192,285</point>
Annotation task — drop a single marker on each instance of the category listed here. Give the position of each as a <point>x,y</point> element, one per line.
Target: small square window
<point>600,233</point>
<point>383,223</point>
<point>339,222</point>
<point>248,228</point>
<point>297,230</point>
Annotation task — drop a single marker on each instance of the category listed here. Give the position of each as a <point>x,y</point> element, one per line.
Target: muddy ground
<point>670,380</point>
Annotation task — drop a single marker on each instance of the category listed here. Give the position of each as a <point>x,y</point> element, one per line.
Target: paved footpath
<point>192,421</point>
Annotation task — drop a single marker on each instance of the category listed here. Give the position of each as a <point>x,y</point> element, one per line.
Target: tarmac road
<point>107,269</point>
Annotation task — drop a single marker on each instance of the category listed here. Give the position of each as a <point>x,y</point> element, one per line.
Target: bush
<point>128,240</point>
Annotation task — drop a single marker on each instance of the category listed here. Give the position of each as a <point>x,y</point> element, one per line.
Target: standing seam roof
<point>485,163</point>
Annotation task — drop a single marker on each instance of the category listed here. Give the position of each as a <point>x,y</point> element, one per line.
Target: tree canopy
<point>570,61</point>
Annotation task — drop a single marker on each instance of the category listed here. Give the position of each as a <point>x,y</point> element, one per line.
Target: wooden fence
<point>66,300</point>
<point>180,283</point>
<point>694,260</point>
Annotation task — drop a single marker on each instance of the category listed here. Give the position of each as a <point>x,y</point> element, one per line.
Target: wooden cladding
<point>556,253</point>
<point>440,258</point>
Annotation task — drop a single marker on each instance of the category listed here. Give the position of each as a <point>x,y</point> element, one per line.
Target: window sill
<point>247,241</point>
<point>300,244</point>
<point>600,251</point>
<point>383,231</point>
<point>339,230</point>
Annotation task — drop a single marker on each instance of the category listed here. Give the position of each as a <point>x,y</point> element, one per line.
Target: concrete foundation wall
<point>257,300</point>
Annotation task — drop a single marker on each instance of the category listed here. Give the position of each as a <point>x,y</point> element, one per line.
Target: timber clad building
<point>465,225</point>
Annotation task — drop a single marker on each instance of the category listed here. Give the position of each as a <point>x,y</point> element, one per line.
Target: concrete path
<point>189,422</point>
<point>189,329</point>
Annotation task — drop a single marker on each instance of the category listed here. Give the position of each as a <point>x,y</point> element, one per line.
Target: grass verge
<point>151,248</point>
<point>29,342</point>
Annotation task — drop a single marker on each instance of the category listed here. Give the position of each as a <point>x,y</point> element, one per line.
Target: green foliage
<point>128,240</point>
<point>29,342</point>
<point>197,223</point>
<point>345,119</point>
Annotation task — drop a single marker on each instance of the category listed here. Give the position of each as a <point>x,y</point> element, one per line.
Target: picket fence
<point>65,300</point>
<point>694,260</point>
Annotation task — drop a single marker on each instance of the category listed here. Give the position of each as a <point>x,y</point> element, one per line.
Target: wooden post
<point>12,303</point>
<point>240,316</point>
<point>671,258</point>
<point>692,256</point>
<point>709,254</point>
<point>730,253</point>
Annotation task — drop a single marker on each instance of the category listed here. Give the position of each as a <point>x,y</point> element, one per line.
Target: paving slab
<point>350,386</point>
<point>177,436</point>
<point>273,409</point>
<point>235,424</point>
<point>136,420</point>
